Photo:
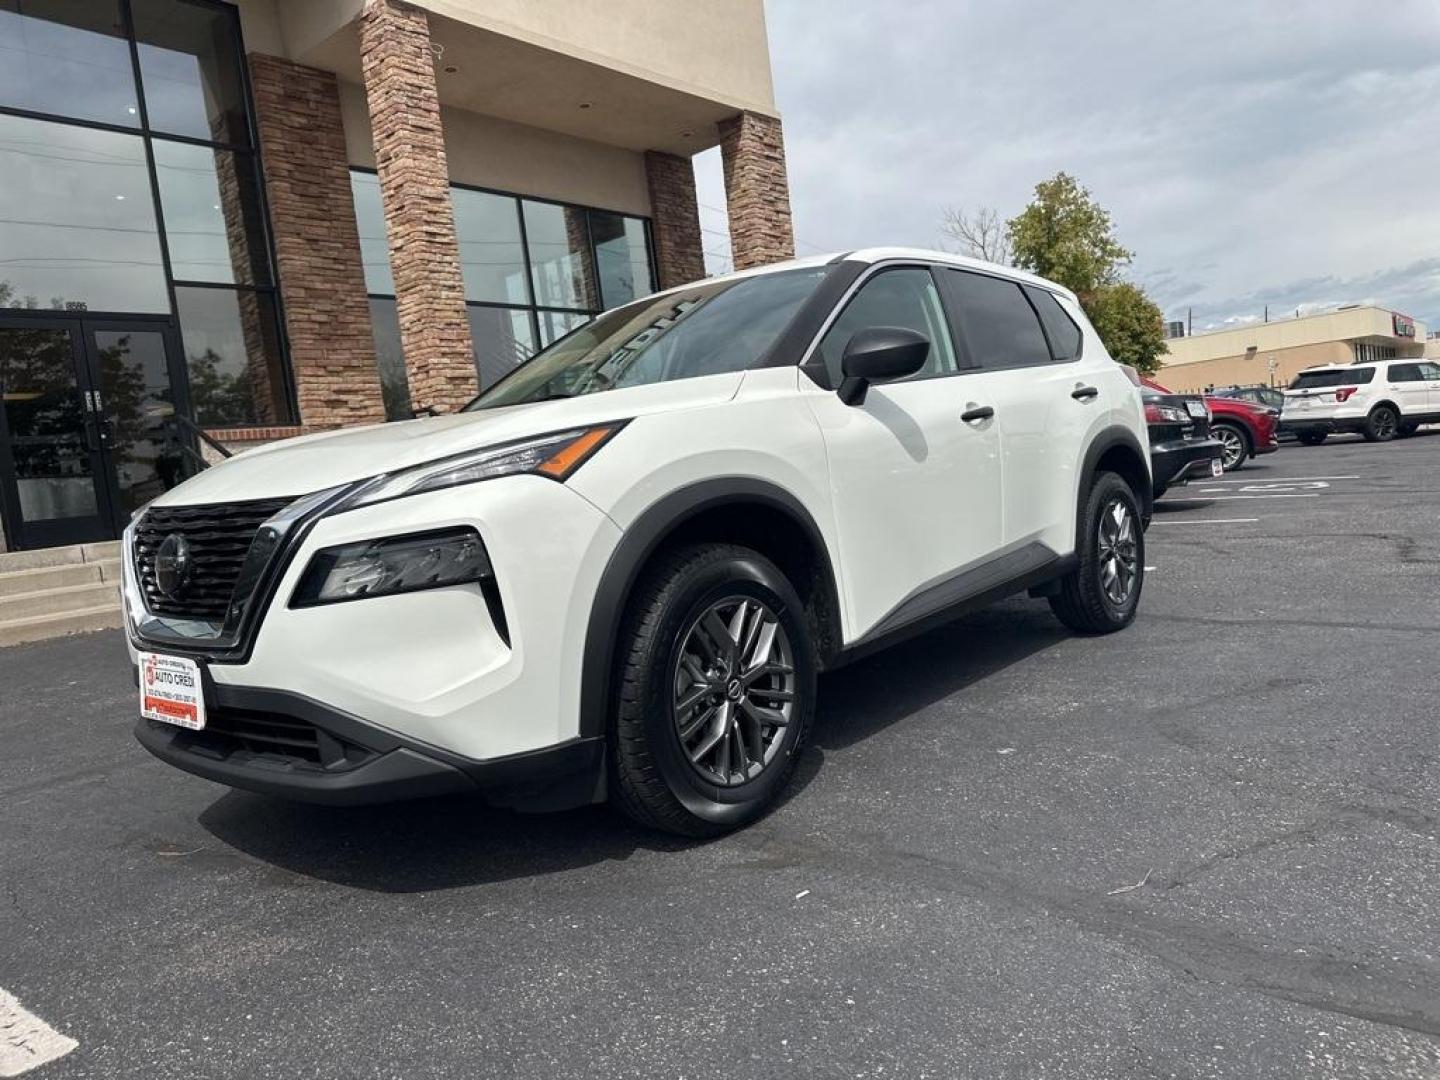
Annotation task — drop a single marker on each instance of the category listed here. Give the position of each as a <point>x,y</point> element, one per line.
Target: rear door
<point>1026,351</point>
<point>916,489</point>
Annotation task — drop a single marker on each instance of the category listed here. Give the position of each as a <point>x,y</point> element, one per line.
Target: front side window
<point>904,297</point>
<point>707,329</point>
<point>997,323</point>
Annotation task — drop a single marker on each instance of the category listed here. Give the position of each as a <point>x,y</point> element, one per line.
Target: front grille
<point>219,538</point>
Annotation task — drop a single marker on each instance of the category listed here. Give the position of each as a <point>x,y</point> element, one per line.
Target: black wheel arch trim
<point>641,539</point>
<point>1105,441</point>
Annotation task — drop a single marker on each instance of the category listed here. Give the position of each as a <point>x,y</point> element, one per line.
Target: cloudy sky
<point>1250,153</point>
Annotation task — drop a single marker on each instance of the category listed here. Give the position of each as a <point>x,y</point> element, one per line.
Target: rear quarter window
<point>1060,328</point>
<point>1314,380</point>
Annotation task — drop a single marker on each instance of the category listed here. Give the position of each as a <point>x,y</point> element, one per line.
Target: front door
<point>87,425</point>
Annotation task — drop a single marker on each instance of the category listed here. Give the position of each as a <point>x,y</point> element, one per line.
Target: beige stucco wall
<point>493,153</point>
<point>1350,325</point>
<point>714,48</point>
<point>1252,369</point>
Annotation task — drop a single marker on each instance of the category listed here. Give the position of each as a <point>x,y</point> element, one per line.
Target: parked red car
<point>1243,428</point>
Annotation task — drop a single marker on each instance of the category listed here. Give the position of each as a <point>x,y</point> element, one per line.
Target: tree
<point>1129,323</point>
<point>981,235</point>
<point>1066,236</point>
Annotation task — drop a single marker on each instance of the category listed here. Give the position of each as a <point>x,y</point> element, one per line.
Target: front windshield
<point>707,329</point>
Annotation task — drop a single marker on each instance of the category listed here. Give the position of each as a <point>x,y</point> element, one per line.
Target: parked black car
<point>1180,444</point>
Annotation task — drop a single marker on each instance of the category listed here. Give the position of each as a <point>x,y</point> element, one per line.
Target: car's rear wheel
<point>716,689</point>
<point>1312,438</point>
<point>1100,595</point>
<point>1381,425</point>
<point>1236,444</point>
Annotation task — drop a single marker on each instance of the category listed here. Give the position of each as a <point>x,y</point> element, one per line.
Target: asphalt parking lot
<point>1206,847</point>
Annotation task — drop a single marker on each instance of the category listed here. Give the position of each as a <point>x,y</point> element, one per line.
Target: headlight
<point>394,564</point>
<point>556,456</point>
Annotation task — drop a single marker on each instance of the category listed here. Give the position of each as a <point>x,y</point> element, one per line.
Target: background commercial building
<point>1273,353</point>
<point>275,216</point>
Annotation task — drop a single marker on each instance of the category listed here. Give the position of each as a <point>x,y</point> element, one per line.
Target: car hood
<point>310,463</point>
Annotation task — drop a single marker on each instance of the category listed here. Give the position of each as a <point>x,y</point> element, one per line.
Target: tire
<point>1237,444</point>
<point>1381,425</point>
<point>1312,438</point>
<point>669,653</point>
<point>1085,603</point>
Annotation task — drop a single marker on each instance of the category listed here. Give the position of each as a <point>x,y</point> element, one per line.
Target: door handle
<point>1085,393</point>
<point>978,412</point>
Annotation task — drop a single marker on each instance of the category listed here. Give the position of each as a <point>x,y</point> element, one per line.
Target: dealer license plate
<point>1195,408</point>
<point>170,691</point>
<point>1217,467</point>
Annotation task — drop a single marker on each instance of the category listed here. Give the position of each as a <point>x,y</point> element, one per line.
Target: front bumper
<point>278,743</point>
<point>1178,461</point>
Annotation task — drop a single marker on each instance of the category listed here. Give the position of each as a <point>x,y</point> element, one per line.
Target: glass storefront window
<point>233,355</point>
<point>502,339</point>
<point>374,241</point>
<point>491,256</point>
<point>394,380</point>
<point>622,258</point>
<point>67,57</point>
<point>190,68</point>
<point>210,199</point>
<point>559,240</point>
<point>78,223</point>
<point>556,324</point>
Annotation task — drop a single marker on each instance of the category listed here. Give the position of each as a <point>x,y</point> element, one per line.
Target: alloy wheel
<point>1119,560</point>
<point>734,690</point>
<point>1384,424</point>
<point>1233,447</point>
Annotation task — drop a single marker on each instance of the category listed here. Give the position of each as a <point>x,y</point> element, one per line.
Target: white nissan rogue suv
<point>617,573</point>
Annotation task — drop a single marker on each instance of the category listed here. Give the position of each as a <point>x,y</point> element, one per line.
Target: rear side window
<point>1312,380</point>
<point>996,322</point>
<point>1064,335</point>
<point>1405,373</point>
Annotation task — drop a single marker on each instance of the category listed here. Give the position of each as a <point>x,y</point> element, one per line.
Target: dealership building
<point>229,223</point>
<point>1273,353</point>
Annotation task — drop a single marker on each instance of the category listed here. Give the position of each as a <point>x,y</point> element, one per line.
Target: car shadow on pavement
<point>868,696</point>
<point>459,841</point>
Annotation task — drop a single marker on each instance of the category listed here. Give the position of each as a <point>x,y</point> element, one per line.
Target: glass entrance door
<point>50,461</point>
<point>87,426</point>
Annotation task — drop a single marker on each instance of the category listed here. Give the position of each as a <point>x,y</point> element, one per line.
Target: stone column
<point>399,70</point>
<point>674,219</point>
<point>317,244</point>
<point>752,148</point>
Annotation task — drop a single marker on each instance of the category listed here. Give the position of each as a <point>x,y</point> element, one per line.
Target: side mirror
<point>879,354</point>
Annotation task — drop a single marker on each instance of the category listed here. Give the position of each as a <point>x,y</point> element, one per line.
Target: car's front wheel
<point>716,689</point>
<point>1236,445</point>
<point>1100,595</point>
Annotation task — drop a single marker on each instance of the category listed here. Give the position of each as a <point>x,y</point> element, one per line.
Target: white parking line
<point>1219,498</point>
<point>1281,479</point>
<point>26,1041</point>
<point>1206,521</point>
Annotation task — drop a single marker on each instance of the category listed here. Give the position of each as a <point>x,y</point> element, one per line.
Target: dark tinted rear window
<point>1311,380</point>
<point>1064,335</point>
<point>997,323</point>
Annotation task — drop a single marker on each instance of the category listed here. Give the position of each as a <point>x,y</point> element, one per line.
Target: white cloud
<point>1243,149</point>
